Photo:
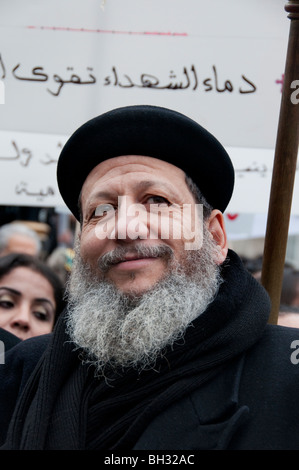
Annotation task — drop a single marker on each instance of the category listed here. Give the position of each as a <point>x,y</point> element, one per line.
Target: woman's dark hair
<point>16,260</point>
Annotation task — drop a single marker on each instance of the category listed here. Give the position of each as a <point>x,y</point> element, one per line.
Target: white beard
<point>119,330</point>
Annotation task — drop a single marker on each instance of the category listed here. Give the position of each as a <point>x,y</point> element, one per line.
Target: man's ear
<point>216,227</point>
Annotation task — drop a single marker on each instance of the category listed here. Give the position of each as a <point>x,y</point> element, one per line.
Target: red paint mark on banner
<point>232,216</point>
<point>105,31</point>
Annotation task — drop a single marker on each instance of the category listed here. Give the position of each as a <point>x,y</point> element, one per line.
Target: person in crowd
<point>165,342</point>
<point>31,296</point>
<point>254,265</point>
<point>18,238</point>
<point>61,261</point>
<point>290,287</point>
<point>288,316</point>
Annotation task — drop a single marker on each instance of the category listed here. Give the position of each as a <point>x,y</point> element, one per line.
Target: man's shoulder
<point>15,369</point>
<point>20,360</point>
<point>273,362</point>
<point>30,347</point>
<point>278,341</point>
<point>8,340</point>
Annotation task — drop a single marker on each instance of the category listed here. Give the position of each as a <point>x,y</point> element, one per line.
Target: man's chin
<point>137,283</point>
<point>135,289</point>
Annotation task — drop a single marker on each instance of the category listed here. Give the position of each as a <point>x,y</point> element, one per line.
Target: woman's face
<point>27,303</point>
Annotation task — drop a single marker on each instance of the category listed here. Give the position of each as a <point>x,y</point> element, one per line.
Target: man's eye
<point>103,209</point>
<point>158,200</point>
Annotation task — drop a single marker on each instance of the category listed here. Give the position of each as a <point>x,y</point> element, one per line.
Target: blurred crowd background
<point>53,233</point>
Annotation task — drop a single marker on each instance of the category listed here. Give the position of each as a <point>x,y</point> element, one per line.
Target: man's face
<point>136,200</point>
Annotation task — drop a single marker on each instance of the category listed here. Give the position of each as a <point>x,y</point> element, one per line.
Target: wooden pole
<point>284,170</point>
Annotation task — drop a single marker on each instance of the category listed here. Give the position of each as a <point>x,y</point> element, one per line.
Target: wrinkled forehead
<point>133,167</point>
<point>134,163</point>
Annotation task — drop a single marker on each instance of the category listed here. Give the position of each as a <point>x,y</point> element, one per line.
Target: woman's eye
<point>103,209</point>
<point>6,301</point>
<point>6,304</point>
<point>41,315</point>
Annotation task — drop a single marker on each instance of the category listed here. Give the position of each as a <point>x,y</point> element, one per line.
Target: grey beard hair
<point>117,330</point>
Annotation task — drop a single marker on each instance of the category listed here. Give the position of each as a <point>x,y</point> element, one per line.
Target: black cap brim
<point>149,131</point>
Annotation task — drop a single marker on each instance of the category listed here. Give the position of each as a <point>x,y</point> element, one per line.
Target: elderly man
<point>165,343</point>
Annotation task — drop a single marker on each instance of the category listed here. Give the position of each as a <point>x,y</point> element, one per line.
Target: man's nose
<point>131,222</point>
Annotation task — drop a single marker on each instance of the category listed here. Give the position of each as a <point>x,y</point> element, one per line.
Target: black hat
<point>149,131</point>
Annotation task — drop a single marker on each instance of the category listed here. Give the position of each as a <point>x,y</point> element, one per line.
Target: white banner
<point>28,173</point>
<point>65,61</point>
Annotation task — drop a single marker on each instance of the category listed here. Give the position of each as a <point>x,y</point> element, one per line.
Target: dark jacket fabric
<point>8,339</point>
<point>19,362</point>
<point>251,405</point>
<point>231,383</point>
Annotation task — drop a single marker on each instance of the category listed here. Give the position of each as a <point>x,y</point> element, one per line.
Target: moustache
<point>123,253</point>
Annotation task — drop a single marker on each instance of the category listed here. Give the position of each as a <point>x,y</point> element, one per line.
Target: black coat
<point>232,384</point>
<point>8,339</point>
<point>251,405</point>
